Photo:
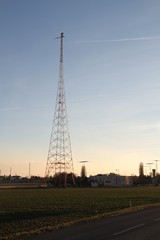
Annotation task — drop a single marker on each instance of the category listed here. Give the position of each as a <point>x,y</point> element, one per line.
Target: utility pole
<point>59,160</point>
<point>29,170</point>
<point>156,161</point>
<point>10,171</point>
<point>150,168</point>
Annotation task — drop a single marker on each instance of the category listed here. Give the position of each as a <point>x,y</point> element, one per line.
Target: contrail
<point>22,108</point>
<point>9,109</point>
<point>119,40</point>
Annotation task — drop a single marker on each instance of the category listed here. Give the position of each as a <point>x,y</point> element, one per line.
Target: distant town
<point>71,180</point>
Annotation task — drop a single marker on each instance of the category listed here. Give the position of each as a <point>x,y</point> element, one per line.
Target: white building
<point>112,180</point>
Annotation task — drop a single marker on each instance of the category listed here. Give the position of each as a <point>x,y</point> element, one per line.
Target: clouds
<point>145,38</point>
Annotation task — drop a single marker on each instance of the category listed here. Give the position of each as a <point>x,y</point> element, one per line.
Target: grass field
<point>25,211</point>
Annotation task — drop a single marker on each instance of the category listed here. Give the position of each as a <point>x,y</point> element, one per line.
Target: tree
<point>83,172</point>
<point>141,169</point>
<point>84,179</point>
<point>62,180</point>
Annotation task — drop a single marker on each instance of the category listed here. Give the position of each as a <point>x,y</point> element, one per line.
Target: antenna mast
<point>59,159</point>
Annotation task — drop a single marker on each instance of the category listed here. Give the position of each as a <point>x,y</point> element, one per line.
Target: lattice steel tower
<point>59,158</point>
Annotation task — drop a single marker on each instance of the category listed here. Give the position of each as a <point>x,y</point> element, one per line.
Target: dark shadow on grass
<point>29,214</point>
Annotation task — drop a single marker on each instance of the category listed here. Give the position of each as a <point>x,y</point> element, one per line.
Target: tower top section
<point>61,47</point>
<point>61,50</point>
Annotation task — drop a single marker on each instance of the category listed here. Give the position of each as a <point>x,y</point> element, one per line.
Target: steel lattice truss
<point>59,155</point>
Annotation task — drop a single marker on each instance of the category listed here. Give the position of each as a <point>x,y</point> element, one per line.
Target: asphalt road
<point>140,225</point>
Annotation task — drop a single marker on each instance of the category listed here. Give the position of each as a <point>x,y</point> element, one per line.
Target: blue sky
<point>111,73</point>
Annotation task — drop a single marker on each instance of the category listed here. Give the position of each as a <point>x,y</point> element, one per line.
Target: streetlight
<point>150,166</point>
<point>156,166</point>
